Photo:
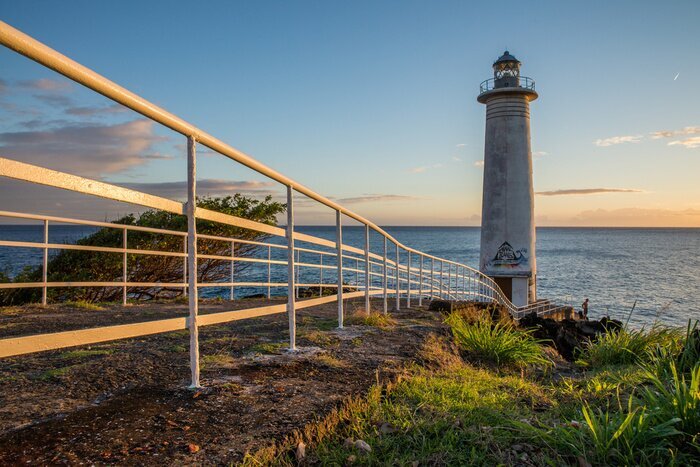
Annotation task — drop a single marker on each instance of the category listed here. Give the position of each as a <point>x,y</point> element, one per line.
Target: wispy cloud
<point>375,198</point>
<point>90,111</point>
<point>207,186</point>
<point>689,130</point>
<point>85,149</point>
<point>617,140</point>
<point>538,154</point>
<point>587,191</point>
<point>479,163</point>
<point>460,145</point>
<point>45,84</point>
<point>456,159</point>
<point>690,143</point>
<point>418,170</point>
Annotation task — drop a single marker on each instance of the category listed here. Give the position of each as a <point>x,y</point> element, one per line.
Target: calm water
<point>613,267</point>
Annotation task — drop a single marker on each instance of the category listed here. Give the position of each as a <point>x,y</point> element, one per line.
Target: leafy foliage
<point>630,346</point>
<point>88,266</point>
<point>498,343</point>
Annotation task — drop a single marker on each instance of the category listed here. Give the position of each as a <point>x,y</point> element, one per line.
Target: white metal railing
<point>374,274</point>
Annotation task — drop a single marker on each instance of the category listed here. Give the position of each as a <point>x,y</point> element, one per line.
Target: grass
<point>268,347</point>
<point>498,343</point>
<point>329,361</point>
<point>84,305</point>
<point>630,346</point>
<point>85,353</point>
<point>448,412</point>
<point>217,360</point>
<point>374,319</point>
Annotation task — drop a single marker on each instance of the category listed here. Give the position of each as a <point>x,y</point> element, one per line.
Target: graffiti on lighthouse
<point>508,258</point>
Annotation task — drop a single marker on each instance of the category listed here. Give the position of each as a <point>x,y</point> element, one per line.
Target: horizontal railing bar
<point>66,220</point>
<point>102,249</point>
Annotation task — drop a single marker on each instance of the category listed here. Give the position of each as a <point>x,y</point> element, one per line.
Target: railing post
<point>384,282</point>
<point>449,281</point>
<point>420,283</point>
<point>398,280</point>
<point>442,269</point>
<point>232,296</point>
<point>320,281</point>
<point>408,281</point>
<point>368,269</point>
<point>269,276</point>
<point>290,271</point>
<point>296,288</point>
<point>45,265</point>
<point>184,265</point>
<point>124,271</point>
<point>432,277</point>
<point>339,252</point>
<point>192,258</point>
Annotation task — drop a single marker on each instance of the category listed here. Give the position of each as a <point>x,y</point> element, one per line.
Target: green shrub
<point>498,343</point>
<point>626,347</point>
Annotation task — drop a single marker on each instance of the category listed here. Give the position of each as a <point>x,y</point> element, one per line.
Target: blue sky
<point>371,103</point>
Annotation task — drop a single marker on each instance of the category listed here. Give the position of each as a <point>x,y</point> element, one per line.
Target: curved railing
<point>523,82</point>
<point>374,274</point>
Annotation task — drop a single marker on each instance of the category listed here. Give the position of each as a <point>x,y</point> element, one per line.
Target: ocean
<point>613,267</point>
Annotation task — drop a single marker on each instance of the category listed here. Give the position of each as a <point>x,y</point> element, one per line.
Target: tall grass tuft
<point>497,343</point>
<point>626,346</point>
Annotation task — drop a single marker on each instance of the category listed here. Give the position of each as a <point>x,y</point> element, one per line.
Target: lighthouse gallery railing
<point>375,274</point>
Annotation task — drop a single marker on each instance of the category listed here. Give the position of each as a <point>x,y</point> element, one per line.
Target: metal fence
<point>422,276</point>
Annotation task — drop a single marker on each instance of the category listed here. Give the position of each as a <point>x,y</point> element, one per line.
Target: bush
<point>79,266</point>
<point>498,343</point>
<point>628,347</point>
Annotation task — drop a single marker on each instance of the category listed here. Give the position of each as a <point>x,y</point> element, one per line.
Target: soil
<point>127,402</point>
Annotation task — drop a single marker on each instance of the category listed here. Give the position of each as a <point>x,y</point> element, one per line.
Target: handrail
<point>432,282</point>
<point>524,82</point>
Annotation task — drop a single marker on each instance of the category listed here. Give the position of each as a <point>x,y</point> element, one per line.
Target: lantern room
<point>506,71</point>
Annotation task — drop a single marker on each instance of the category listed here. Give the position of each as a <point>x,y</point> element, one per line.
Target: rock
<point>348,443</point>
<point>567,336</point>
<point>351,459</point>
<point>517,447</point>
<point>386,428</point>
<point>363,446</point>
<point>581,462</point>
<point>301,451</point>
<point>192,448</point>
<point>415,464</point>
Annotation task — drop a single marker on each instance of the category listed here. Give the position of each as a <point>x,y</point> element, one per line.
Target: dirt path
<point>125,402</point>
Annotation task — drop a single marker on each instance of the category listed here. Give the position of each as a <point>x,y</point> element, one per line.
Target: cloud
<point>375,198</point>
<point>45,84</point>
<point>538,154</point>
<point>456,159</point>
<point>460,145</point>
<point>689,130</point>
<point>479,163</point>
<point>587,191</point>
<point>54,100</point>
<point>85,149</point>
<point>617,140</point>
<point>418,170</point>
<point>690,143</point>
<point>90,111</point>
<point>207,186</point>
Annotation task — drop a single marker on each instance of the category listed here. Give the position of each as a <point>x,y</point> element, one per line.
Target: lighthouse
<point>507,213</point>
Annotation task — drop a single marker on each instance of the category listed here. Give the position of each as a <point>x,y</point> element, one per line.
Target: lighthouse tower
<point>507,217</point>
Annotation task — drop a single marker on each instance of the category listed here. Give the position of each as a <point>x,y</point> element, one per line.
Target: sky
<point>372,104</point>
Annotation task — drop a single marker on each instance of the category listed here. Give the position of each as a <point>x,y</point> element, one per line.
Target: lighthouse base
<point>516,289</point>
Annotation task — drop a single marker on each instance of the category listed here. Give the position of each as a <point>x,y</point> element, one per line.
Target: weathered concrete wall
<point>507,226</point>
